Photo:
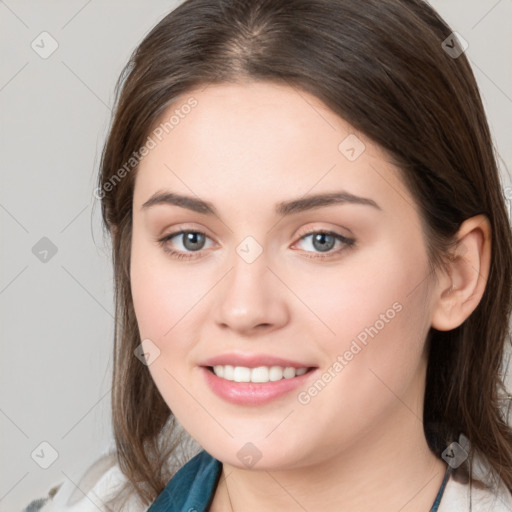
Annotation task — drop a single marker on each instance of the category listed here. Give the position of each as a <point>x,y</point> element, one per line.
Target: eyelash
<point>349,243</point>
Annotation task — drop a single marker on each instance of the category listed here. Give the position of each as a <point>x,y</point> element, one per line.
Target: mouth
<point>256,386</point>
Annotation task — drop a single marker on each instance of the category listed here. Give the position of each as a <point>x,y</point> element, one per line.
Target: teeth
<point>259,374</point>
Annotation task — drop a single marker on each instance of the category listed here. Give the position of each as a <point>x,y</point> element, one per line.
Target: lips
<point>254,361</point>
<point>255,394</point>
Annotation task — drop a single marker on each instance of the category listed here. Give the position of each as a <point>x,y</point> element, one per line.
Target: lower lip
<point>253,393</point>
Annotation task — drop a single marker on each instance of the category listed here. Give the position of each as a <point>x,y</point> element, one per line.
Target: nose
<point>251,299</point>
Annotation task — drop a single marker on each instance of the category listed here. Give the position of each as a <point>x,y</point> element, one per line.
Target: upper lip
<point>253,361</point>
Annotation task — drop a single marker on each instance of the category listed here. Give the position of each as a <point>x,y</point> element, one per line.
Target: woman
<point>312,262</point>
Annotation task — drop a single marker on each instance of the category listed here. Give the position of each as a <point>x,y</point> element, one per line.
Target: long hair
<point>385,67</point>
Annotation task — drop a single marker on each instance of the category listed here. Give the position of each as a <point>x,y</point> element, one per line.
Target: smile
<point>259,374</point>
<point>236,385</point>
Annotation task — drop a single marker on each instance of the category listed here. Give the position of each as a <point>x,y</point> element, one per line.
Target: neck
<point>391,468</point>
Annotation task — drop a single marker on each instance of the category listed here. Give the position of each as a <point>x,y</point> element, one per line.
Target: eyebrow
<point>283,208</point>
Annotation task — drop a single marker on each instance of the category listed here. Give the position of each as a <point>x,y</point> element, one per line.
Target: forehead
<point>259,137</point>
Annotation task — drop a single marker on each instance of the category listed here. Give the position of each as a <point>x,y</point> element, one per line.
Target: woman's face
<point>352,302</point>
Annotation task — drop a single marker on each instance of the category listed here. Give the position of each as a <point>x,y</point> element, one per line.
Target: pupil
<point>321,238</point>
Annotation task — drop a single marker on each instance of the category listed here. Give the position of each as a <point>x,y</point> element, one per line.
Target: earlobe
<point>460,289</point>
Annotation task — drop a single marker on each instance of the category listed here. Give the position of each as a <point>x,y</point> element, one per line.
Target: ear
<point>462,285</point>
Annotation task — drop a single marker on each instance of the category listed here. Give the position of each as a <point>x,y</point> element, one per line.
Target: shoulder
<point>101,482</point>
<point>458,496</point>
<point>484,495</point>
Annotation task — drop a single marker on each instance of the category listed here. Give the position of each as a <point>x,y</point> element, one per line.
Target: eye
<point>191,241</point>
<point>324,241</point>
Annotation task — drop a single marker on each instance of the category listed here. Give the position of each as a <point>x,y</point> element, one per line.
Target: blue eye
<point>193,241</point>
<point>325,241</point>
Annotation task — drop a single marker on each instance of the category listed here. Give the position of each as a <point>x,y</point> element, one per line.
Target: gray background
<point>56,315</point>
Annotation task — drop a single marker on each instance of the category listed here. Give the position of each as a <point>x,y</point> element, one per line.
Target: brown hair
<point>381,66</point>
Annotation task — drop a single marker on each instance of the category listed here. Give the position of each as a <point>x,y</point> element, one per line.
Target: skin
<point>359,443</point>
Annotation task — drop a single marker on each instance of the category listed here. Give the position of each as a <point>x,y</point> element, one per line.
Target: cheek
<point>164,300</point>
<point>374,320</point>
<point>383,293</point>
<point>171,304</point>
<point>162,295</point>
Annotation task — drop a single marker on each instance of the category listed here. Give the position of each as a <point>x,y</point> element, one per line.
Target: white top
<point>456,498</point>
<point>104,479</point>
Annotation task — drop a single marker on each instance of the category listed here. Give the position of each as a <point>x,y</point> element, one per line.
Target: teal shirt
<point>192,488</point>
